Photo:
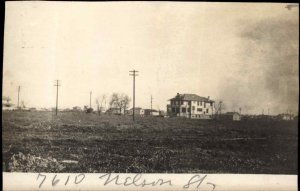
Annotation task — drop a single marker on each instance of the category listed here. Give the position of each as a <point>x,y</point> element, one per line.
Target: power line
<point>56,84</point>
<point>134,74</point>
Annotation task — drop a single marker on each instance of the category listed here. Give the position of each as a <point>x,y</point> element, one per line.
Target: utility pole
<point>56,84</point>
<point>134,74</point>
<point>151,105</point>
<point>19,87</point>
<point>90,99</point>
<point>220,107</point>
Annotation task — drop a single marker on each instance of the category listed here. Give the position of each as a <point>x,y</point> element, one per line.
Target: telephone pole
<point>133,73</point>
<point>220,107</point>
<point>90,99</point>
<point>56,84</point>
<point>19,88</point>
<point>151,105</point>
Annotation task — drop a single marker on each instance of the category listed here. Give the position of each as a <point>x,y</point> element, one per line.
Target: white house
<point>137,111</point>
<point>114,110</point>
<point>286,116</point>
<point>191,106</point>
<point>149,112</point>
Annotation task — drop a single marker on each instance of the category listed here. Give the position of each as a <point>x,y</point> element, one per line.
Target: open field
<point>80,142</point>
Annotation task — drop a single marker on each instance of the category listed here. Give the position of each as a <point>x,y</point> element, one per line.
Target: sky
<point>245,54</point>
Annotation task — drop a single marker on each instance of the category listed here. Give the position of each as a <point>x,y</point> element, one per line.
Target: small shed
<point>234,116</point>
<point>149,112</point>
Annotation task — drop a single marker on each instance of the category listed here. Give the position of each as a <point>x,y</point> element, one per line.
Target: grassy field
<point>80,142</point>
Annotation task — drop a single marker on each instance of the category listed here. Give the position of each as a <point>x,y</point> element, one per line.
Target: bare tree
<point>120,101</point>
<point>219,107</point>
<point>99,102</point>
<point>125,102</point>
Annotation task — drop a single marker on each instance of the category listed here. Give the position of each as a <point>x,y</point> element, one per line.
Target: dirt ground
<point>79,142</point>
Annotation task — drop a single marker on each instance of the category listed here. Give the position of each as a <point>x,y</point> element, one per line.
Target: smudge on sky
<point>268,68</point>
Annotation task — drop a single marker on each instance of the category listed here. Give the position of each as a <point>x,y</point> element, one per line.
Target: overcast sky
<point>243,54</point>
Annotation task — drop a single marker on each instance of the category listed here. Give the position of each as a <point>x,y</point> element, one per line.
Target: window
<point>181,102</point>
<point>183,110</point>
<point>204,105</point>
<point>201,103</point>
<point>199,109</point>
<point>211,104</point>
<point>189,109</point>
<point>173,110</point>
<point>206,110</point>
<point>193,108</point>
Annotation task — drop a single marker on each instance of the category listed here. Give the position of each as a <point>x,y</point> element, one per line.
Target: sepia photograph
<point>150,87</point>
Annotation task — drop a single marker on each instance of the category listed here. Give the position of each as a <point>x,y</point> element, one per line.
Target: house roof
<point>191,97</point>
<point>136,108</point>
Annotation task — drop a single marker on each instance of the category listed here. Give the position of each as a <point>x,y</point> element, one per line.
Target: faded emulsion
<point>160,87</point>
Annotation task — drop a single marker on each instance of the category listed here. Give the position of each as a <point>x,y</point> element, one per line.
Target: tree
<point>125,102</point>
<point>99,102</point>
<point>88,109</point>
<point>120,101</point>
<point>219,108</point>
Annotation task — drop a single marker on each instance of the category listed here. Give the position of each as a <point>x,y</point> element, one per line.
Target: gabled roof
<point>136,108</point>
<point>190,97</point>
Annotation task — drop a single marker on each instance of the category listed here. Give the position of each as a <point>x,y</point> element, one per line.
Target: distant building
<point>115,111</point>
<point>191,106</point>
<point>286,116</point>
<point>149,112</point>
<point>137,111</point>
<point>234,116</point>
<point>43,109</point>
<point>6,105</point>
<point>32,109</point>
<point>76,108</point>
